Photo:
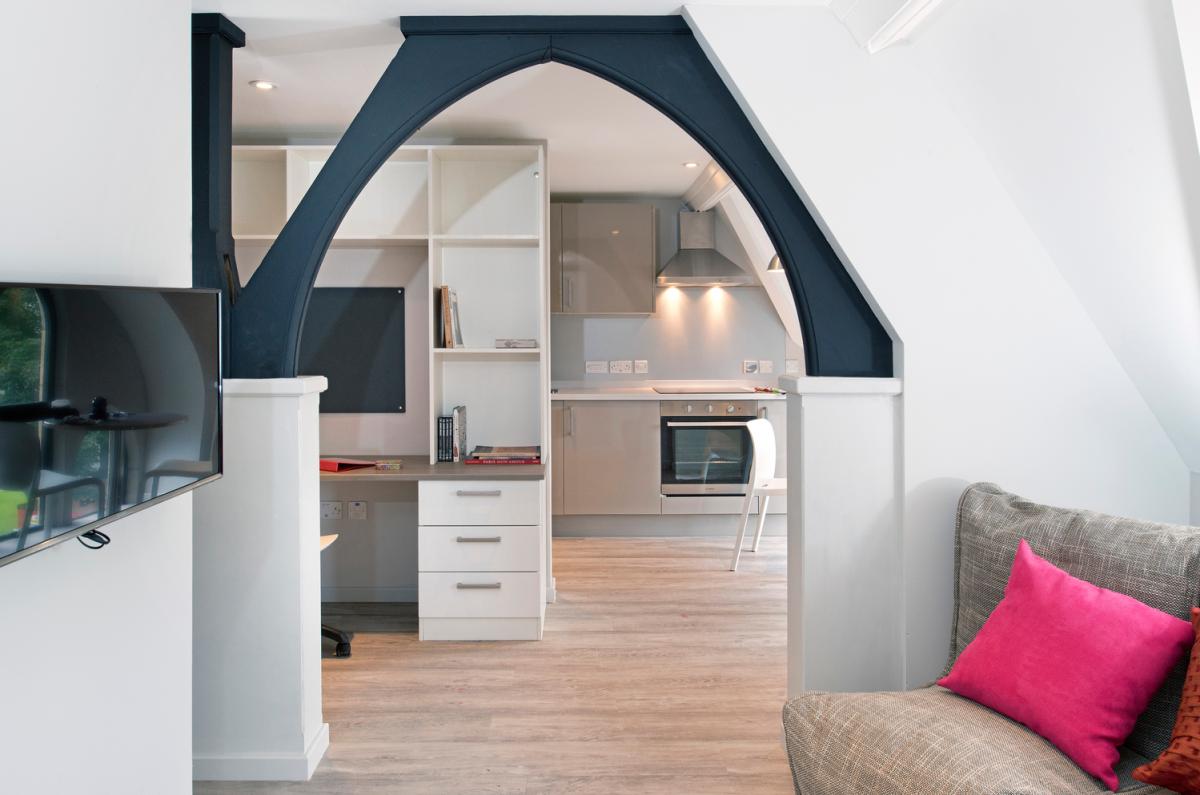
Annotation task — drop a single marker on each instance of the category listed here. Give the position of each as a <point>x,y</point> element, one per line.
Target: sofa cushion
<point>1158,564</point>
<point>928,742</point>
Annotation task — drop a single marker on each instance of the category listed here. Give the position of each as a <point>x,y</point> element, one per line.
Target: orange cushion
<point>1178,767</point>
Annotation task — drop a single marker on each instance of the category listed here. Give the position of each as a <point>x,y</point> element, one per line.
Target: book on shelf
<point>448,330</point>
<point>445,440</point>
<point>459,433</point>
<point>515,342</point>
<point>486,454</point>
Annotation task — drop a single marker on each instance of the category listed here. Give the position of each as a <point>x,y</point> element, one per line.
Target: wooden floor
<point>660,672</point>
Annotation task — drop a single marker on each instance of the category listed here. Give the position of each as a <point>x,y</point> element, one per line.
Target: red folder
<point>344,464</point>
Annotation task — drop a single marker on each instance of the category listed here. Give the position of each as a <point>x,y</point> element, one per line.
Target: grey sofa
<point>930,741</point>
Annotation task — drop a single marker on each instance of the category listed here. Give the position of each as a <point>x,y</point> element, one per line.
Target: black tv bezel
<point>220,445</point>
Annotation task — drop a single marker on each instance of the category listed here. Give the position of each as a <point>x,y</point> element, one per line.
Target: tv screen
<point>109,401</point>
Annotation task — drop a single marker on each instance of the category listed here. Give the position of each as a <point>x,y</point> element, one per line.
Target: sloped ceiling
<point>1082,108</point>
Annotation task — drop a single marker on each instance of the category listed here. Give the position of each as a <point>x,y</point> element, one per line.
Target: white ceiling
<point>601,139</point>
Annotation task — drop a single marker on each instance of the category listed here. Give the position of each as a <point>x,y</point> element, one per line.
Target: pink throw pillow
<point>1074,662</point>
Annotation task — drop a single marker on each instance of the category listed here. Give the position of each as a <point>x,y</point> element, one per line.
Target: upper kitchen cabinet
<point>603,258</point>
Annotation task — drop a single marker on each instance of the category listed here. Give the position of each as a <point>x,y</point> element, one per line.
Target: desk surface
<point>417,467</point>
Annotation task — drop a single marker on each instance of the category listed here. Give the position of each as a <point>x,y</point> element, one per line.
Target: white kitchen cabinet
<point>611,457</point>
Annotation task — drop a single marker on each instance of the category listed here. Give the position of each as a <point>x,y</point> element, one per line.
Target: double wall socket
<point>616,366</point>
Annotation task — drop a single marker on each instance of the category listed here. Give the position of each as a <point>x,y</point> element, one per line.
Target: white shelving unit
<point>480,212</point>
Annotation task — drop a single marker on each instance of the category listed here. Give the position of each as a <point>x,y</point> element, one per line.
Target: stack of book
<point>484,454</point>
<point>447,329</point>
<point>452,435</point>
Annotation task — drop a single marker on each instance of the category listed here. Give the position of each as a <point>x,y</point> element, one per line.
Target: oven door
<point>705,456</point>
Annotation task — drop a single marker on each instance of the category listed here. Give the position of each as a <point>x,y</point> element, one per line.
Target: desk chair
<point>21,470</point>
<point>762,484</point>
<point>342,639</point>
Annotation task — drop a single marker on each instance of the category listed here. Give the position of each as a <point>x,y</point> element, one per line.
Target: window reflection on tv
<point>109,400</point>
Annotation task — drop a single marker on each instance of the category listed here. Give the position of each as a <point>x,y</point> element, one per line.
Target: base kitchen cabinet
<point>610,457</point>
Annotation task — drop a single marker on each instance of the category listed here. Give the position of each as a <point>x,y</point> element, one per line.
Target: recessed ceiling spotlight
<point>690,164</point>
<point>263,85</point>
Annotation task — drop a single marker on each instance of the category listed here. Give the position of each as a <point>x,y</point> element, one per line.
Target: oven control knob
<point>730,409</point>
<point>710,408</point>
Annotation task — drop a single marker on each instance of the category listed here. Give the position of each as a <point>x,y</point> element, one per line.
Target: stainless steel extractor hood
<point>698,263</point>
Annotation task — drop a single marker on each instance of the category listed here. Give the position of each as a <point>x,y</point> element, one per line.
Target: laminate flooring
<point>660,671</point>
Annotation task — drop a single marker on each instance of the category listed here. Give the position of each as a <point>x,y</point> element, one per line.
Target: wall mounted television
<point>110,401</point>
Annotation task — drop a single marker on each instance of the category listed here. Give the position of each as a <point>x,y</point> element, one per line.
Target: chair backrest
<point>1158,564</point>
<point>20,456</point>
<point>762,439</point>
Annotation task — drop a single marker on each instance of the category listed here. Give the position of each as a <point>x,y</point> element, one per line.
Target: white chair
<point>763,483</point>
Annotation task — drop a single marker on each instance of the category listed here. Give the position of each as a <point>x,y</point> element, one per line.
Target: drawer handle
<point>478,586</point>
<point>478,493</point>
<point>471,540</point>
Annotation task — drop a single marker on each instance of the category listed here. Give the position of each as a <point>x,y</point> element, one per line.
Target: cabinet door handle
<point>762,412</point>
<point>570,293</point>
<point>478,586</point>
<point>478,492</point>
<point>570,421</point>
<point>472,540</point>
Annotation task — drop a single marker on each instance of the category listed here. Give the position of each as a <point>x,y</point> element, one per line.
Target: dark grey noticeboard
<point>354,336</point>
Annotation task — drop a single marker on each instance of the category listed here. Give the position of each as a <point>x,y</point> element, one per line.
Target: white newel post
<point>256,678</point>
<point>845,582</point>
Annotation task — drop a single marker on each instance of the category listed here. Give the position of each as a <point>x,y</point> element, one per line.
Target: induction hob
<point>702,390</point>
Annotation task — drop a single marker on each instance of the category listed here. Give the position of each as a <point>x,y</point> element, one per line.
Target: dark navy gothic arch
<point>657,59</point>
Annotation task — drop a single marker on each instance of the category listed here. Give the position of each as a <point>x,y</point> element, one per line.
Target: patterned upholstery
<point>932,741</point>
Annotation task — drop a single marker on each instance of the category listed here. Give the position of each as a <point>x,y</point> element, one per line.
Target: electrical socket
<point>791,366</point>
<point>641,366</point>
<point>750,366</point>
<point>595,367</point>
<point>358,510</point>
<point>331,509</point>
<point>766,365</point>
<point>621,366</point>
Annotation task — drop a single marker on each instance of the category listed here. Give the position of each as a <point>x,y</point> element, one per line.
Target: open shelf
<point>350,241</point>
<point>488,353</point>
<point>487,240</point>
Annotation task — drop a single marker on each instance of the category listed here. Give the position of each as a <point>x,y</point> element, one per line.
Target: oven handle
<point>730,424</point>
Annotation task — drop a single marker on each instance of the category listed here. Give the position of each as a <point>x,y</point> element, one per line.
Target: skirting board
<point>264,767</point>
<point>660,526</point>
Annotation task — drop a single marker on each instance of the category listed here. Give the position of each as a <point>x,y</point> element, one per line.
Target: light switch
<point>596,367</point>
<point>358,510</point>
<point>641,366</point>
<point>331,509</point>
<point>750,366</point>
<point>766,365</point>
<point>621,366</point>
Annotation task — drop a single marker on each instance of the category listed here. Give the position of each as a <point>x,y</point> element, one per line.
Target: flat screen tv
<point>110,401</point>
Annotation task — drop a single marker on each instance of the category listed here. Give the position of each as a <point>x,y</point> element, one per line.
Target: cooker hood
<point>698,263</point>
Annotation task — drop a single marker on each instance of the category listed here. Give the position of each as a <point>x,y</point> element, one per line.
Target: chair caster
<point>342,650</point>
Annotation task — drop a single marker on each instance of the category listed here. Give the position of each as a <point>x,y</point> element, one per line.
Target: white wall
<point>1006,377</point>
<point>97,668</point>
<point>1081,108</point>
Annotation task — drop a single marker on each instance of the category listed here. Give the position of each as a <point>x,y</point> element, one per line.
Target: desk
<point>418,468</point>
<point>482,562</point>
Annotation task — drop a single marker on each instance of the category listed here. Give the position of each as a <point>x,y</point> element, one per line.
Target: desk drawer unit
<point>481,559</point>
<point>479,502</point>
<point>479,548</point>
<point>490,594</point>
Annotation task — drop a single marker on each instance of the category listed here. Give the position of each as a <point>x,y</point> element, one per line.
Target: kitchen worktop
<point>720,390</point>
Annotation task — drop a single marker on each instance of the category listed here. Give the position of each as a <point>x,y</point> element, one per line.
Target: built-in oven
<point>705,446</point>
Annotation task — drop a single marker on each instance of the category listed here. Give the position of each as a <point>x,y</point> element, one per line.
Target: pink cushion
<point>1074,662</point>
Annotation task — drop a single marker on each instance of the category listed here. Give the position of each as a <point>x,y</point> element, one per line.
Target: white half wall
<point>1006,377</point>
<point>97,190</point>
